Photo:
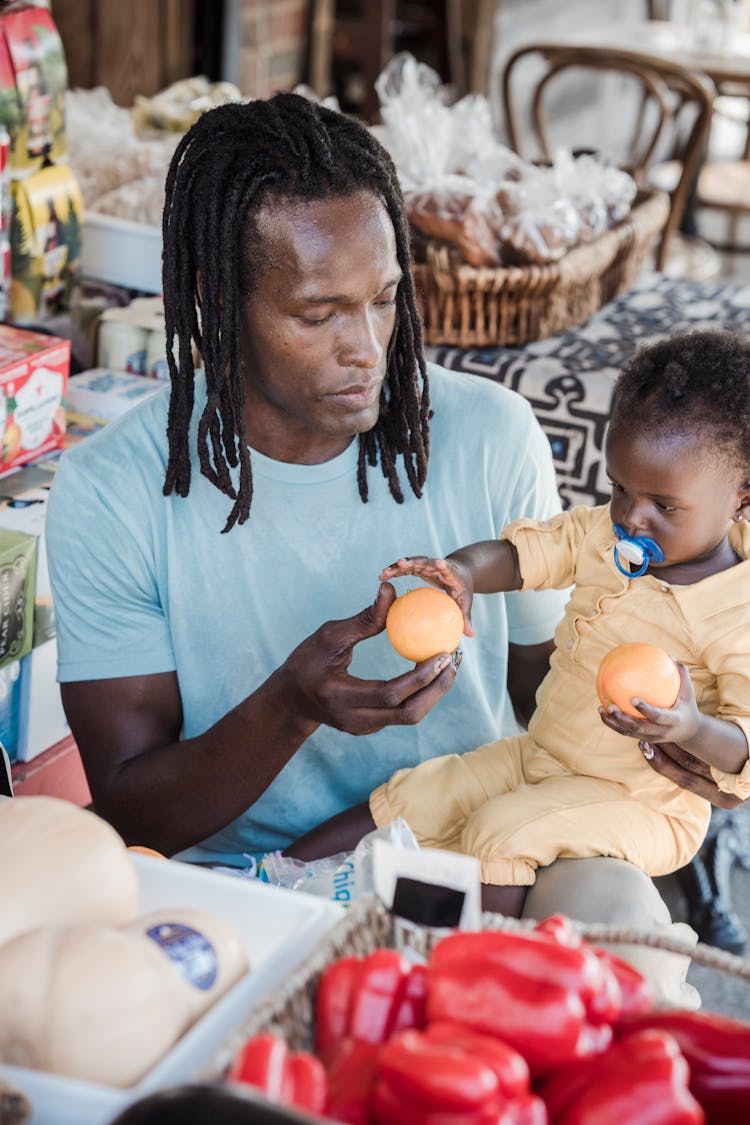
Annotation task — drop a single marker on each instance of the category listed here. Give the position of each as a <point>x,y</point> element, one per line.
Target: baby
<point>666,562</point>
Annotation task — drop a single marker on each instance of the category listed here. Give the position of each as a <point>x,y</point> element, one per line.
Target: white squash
<point>61,865</point>
<point>203,950</point>
<point>92,1003</point>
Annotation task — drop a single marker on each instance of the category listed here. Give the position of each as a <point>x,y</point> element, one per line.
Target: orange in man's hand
<point>141,849</point>
<point>424,622</point>
<point>641,670</point>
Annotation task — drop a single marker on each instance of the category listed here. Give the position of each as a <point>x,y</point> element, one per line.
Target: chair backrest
<point>674,108</point>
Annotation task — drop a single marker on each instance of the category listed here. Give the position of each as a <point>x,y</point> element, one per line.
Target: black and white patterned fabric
<point>568,379</point>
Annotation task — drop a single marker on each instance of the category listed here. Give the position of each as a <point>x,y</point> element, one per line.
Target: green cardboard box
<point>17,585</point>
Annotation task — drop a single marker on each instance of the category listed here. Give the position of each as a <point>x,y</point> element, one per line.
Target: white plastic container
<point>121,252</point>
<point>278,928</point>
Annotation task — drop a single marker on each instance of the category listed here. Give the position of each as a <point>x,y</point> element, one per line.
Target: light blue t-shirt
<point>145,583</point>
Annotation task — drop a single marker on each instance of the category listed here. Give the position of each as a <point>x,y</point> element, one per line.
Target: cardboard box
<point>23,507</point>
<point>17,577</point>
<point>33,376</point>
<point>33,80</point>
<point>41,720</point>
<point>45,242</point>
<point>10,707</point>
<point>105,395</point>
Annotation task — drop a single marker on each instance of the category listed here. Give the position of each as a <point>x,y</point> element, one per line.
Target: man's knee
<point>600,889</point>
<point>611,890</point>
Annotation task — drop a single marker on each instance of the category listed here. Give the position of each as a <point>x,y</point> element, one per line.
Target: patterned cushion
<point>568,379</point>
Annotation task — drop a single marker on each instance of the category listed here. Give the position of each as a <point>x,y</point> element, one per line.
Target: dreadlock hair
<point>695,382</point>
<point>230,163</point>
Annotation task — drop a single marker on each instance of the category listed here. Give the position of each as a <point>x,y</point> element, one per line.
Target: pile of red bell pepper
<point>504,1028</point>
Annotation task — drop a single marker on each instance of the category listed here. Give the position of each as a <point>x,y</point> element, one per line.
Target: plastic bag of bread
<point>417,122</point>
<point>540,225</point>
<point>601,194</point>
<point>458,212</point>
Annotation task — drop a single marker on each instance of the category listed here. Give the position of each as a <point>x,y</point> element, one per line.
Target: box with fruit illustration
<point>33,80</point>
<point>34,372</point>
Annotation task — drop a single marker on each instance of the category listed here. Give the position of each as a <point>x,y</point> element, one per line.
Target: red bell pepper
<point>717,1050</point>
<point>602,993</point>
<point>351,1079</point>
<point>423,1081</point>
<point>524,988</point>
<point>378,994</point>
<point>390,1108</point>
<point>412,1011</point>
<point>642,1080</point>
<point>510,1067</point>
<point>333,1005</point>
<point>424,1072</point>
<point>362,998</point>
<point>560,927</point>
<point>543,957</point>
<point>287,1078</point>
<point>636,994</point>
<point>308,1081</point>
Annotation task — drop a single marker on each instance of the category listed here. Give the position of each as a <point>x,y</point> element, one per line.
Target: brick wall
<point>273,37</point>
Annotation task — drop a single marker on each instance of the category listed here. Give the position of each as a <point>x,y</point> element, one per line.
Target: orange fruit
<point>141,849</point>
<point>645,671</point>
<point>424,622</point>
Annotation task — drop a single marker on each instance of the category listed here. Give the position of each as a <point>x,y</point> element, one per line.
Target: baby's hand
<point>448,576</point>
<point>677,724</point>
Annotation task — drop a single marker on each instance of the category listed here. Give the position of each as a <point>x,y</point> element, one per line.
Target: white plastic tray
<point>278,928</point>
<point>121,252</point>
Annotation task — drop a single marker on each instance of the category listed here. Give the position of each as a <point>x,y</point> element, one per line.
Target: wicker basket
<point>470,307</point>
<point>367,925</point>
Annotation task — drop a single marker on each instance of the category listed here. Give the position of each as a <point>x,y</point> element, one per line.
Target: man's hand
<point>671,761</point>
<point>448,575</point>
<point>315,680</point>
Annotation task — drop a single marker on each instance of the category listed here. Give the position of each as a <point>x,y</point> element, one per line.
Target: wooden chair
<point>723,184</point>
<point>673,110</point>
<point>363,36</point>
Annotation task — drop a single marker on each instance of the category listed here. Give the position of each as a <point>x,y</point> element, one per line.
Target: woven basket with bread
<point>475,306</point>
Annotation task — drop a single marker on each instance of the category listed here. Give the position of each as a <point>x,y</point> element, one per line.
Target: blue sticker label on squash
<point>189,951</point>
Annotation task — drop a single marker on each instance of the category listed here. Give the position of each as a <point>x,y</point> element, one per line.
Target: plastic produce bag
<point>342,877</point>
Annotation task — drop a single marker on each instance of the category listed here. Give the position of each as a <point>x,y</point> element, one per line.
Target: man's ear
<point>743,503</point>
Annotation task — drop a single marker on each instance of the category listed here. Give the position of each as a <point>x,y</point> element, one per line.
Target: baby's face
<point>674,489</point>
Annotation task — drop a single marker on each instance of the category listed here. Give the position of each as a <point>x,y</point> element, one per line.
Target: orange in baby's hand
<point>424,622</point>
<point>141,849</point>
<point>641,670</point>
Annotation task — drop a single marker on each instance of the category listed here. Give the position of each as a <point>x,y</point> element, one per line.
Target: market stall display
<point>100,1006</point>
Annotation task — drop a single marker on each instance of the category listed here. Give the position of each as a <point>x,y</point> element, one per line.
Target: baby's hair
<point>691,382</point>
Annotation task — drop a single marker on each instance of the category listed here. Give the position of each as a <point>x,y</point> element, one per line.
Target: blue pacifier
<point>636,549</point>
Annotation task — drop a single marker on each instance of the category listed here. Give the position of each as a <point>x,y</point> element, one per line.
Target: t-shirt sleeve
<point>101,551</point>
<point>534,616</point>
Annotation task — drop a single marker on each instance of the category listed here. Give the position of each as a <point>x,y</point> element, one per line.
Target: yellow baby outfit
<point>570,786</point>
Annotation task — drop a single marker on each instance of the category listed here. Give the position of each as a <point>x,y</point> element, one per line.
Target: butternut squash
<point>93,1003</point>
<point>203,950</point>
<point>61,865</point>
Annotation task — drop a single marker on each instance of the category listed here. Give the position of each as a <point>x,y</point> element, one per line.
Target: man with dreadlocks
<point>217,683</point>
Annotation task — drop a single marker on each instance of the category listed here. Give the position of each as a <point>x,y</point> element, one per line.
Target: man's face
<point>316,327</point>
<point>675,489</point>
